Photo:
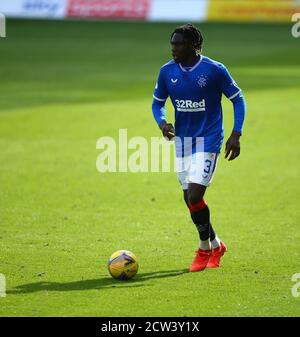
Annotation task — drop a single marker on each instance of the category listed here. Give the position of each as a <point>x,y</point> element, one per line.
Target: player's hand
<point>168,130</point>
<point>232,148</point>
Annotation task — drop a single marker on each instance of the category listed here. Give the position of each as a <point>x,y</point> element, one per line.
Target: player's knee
<point>195,193</point>
<point>194,197</point>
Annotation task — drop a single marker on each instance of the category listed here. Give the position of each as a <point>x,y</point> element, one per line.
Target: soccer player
<point>195,84</point>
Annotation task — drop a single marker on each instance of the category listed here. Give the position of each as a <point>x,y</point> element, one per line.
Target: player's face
<point>181,50</point>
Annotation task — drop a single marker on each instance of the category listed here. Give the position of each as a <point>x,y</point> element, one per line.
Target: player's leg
<point>193,196</point>
<point>212,235</point>
<point>200,216</point>
<point>200,176</point>
<point>199,212</point>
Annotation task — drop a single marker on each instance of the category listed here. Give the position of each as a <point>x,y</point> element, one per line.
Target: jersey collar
<point>194,67</point>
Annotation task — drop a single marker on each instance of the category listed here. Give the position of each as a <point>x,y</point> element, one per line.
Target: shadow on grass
<point>105,282</point>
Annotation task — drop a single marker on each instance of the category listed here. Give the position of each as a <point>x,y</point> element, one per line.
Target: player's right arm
<point>160,96</point>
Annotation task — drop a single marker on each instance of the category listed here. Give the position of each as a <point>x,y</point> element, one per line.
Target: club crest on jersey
<point>202,80</point>
<point>174,80</point>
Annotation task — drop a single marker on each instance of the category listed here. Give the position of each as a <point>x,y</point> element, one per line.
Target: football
<point>123,265</point>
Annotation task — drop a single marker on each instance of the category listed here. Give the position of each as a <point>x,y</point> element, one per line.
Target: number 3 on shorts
<point>207,166</point>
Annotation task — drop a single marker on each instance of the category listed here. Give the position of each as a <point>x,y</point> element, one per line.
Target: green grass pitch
<point>65,84</point>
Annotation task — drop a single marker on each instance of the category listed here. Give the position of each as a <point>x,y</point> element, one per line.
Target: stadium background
<point>90,71</point>
<point>155,10</point>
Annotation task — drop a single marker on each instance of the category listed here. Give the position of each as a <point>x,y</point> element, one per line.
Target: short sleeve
<point>160,91</point>
<point>226,83</point>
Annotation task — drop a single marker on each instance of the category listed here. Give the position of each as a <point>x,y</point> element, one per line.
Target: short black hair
<point>191,34</point>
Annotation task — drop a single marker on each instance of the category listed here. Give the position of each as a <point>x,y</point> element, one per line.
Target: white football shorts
<point>197,168</point>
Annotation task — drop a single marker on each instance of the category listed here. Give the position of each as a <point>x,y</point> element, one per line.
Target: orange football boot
<point>217,253</point>
<point>201,260</point>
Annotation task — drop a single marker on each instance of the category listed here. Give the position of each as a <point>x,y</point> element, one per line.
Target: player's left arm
<point>232,147</point>
<point>234,93</point>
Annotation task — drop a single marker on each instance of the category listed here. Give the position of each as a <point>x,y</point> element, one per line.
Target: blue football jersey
<point>196,95</point>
